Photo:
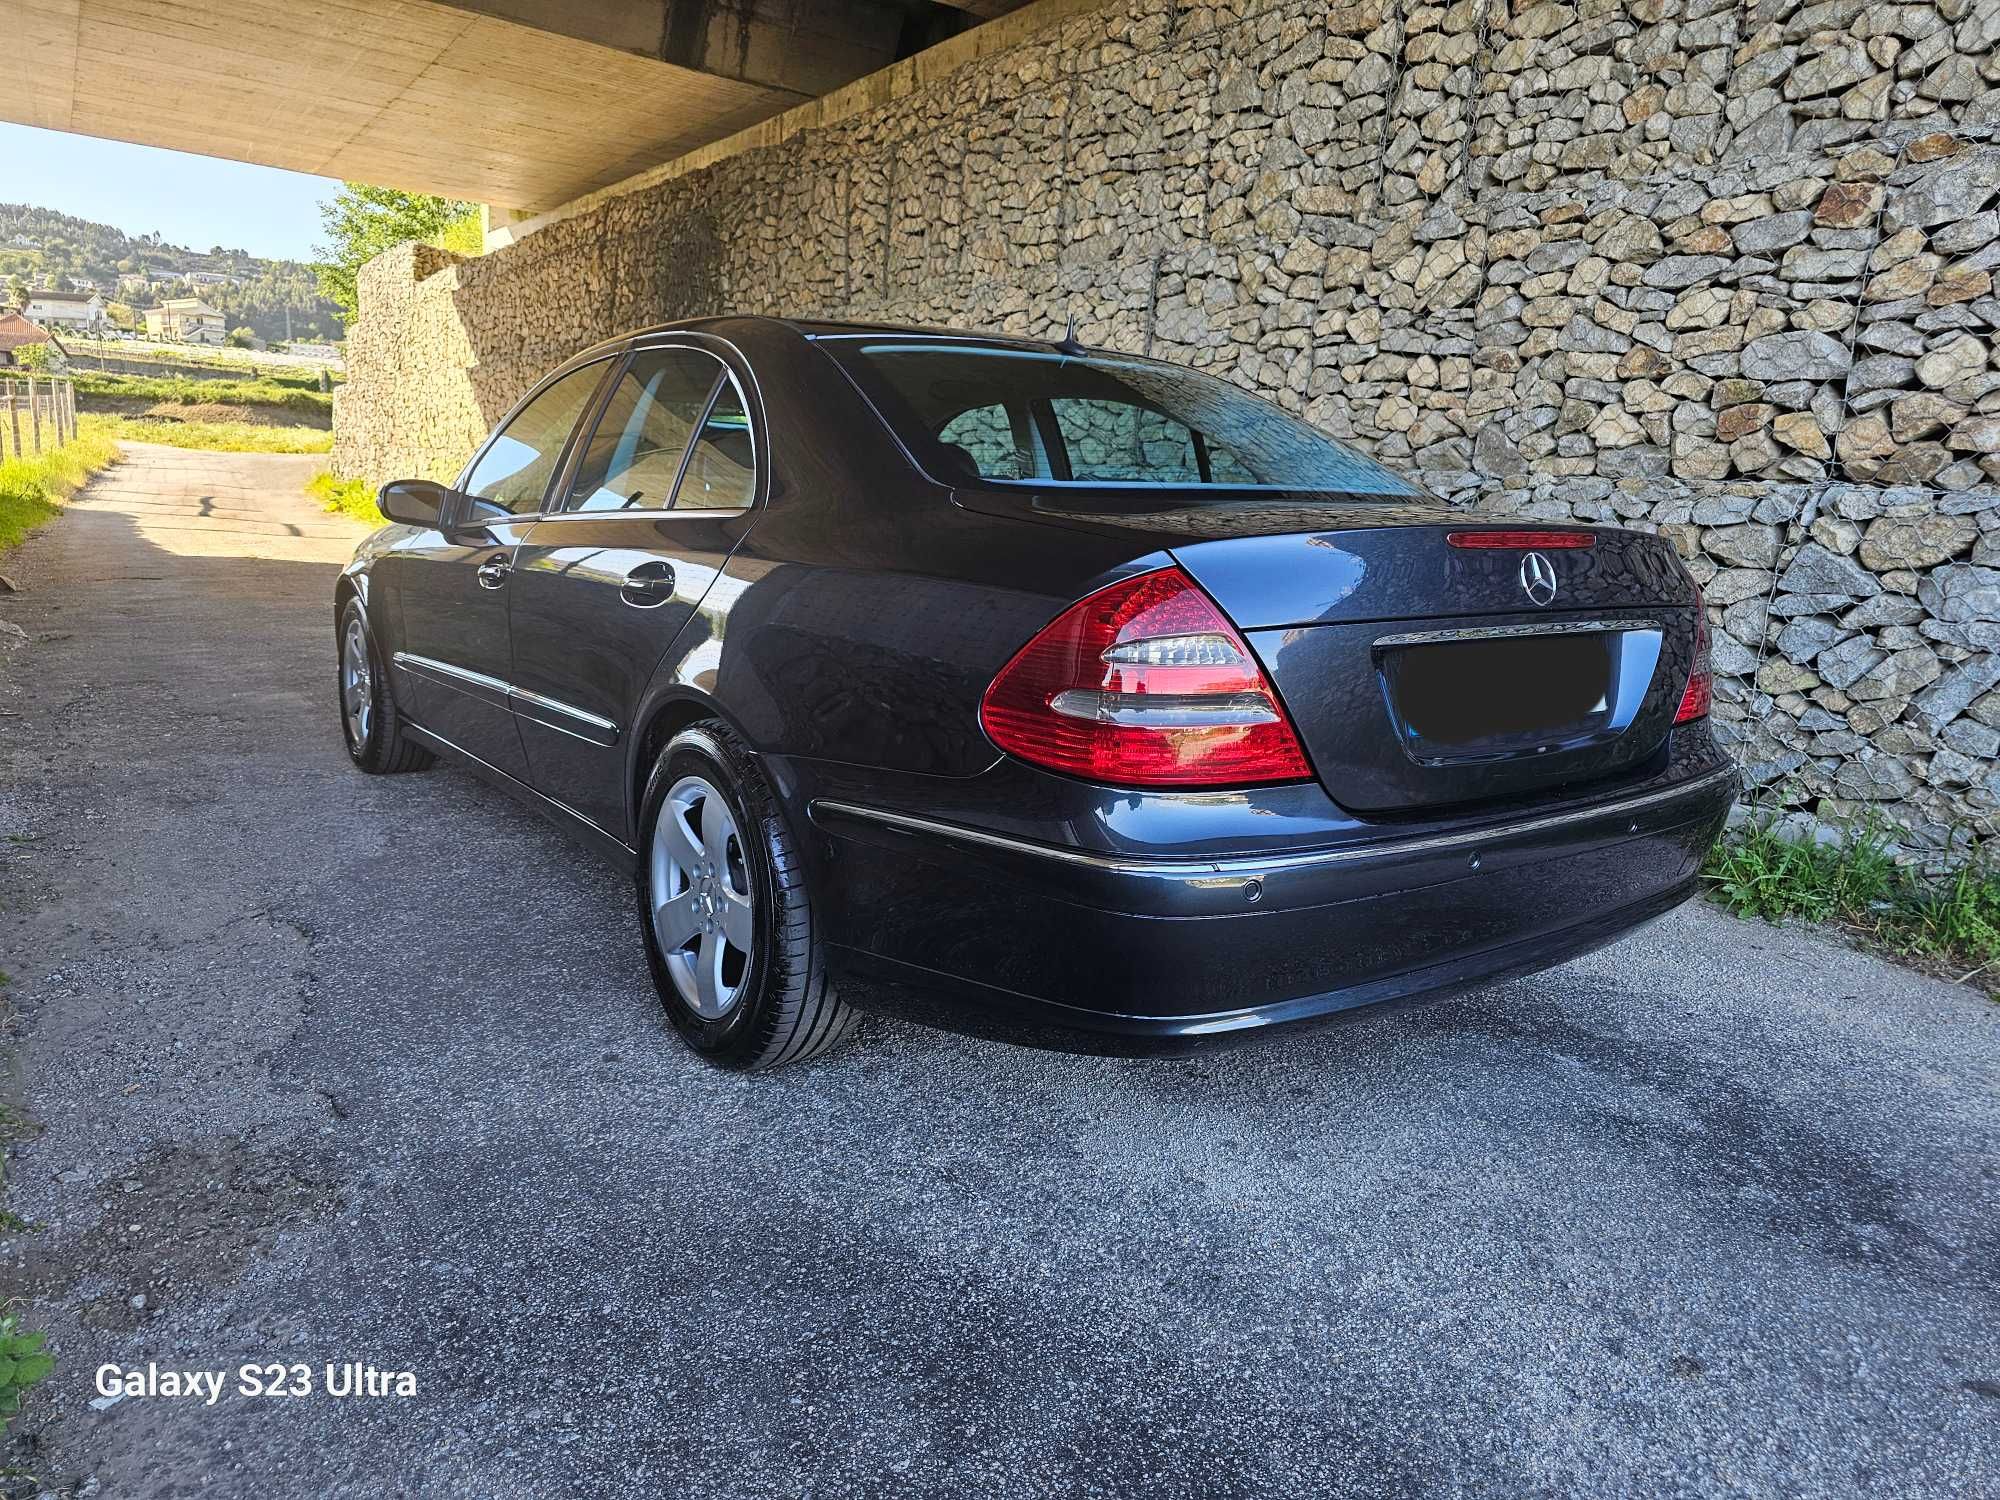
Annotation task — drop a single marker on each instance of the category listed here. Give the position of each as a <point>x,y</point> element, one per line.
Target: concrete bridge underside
<point>520,104</point>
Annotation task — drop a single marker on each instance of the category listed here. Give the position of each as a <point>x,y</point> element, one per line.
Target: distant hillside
<point>40,247</point>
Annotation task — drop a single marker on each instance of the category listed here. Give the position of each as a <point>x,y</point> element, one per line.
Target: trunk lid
<point>1441,663</point>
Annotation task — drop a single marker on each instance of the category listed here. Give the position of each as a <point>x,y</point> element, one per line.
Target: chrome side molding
<point>552,713</point>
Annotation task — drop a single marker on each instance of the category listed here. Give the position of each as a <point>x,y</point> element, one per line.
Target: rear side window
<point>1013,415</point>
<point>722,468</point>
<point>984,438</point>
<point>513,474</point>
<point>635,455</point>
<point>1125,443</point>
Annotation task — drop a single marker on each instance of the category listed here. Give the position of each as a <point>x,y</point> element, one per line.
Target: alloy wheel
<point>700,890</point>
<point>357,685</point>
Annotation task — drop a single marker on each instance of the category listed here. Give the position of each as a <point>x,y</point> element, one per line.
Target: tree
<point>241,337</point>
<point>361,221</point>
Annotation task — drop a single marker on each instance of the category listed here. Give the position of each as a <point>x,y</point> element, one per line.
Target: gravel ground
<point>327,1068</point>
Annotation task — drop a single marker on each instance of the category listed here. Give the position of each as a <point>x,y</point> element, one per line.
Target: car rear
<point>1309,746</point>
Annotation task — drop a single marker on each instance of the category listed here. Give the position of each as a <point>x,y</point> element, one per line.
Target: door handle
<point>493,572</point>
<point>648,585</point>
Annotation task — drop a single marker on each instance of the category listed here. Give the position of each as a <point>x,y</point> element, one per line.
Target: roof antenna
<point>1069,343</point>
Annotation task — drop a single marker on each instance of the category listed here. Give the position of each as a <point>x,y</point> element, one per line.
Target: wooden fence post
<point>34,414</point>
<point>14,416</point>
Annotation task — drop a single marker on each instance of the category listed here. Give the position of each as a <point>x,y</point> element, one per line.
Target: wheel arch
<point>350,585</point>
<point>663,718</point>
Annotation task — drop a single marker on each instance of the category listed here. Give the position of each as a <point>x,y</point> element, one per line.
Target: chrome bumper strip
<point>1246,866</point>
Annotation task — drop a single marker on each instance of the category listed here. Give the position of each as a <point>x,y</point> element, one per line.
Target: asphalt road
<point>328,1068</point>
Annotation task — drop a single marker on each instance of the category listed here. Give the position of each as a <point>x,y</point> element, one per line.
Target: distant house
<point>83,311</point>
<point>132,281</point>
<point>212,278</point>
<point>16,332</point>
<point>83,284</point>
<point>184,320</point>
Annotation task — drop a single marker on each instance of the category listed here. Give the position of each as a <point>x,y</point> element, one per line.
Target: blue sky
<point>197,201</point>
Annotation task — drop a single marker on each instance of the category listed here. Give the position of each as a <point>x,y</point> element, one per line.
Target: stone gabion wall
<point>1723,270</point>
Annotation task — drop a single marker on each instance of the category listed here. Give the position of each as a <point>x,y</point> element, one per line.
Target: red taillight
<point>1694,701</point>
<point>1522,539</point>
<point>1144,683</point>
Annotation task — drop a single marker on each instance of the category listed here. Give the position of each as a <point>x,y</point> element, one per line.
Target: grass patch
<point>227,364</point>
<point>1948,926</point>
<point>217,437</point>
<point>32,489</point>
<point>350,497</point>
<point>179,390</point>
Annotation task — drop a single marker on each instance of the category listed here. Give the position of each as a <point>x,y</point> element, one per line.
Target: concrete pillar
<point>499,227</point>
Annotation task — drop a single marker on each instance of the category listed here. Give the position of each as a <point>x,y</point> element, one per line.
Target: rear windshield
<point>1029,416</point>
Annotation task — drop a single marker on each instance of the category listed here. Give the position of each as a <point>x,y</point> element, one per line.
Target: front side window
<point>1095,419</point>
<point>513,474</point>
<point>635,454</point>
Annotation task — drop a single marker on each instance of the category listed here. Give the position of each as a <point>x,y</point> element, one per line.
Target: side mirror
<point>414,502</point>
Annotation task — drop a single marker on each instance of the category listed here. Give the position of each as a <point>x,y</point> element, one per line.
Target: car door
<point>455,656</point>
<point>659,496</point>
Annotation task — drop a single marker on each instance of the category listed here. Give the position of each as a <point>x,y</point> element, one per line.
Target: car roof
<point>823,328</point>
<point>815,330</point>
<point>828,329</point>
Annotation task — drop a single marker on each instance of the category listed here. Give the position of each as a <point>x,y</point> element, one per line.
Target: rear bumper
<point>963,928</point>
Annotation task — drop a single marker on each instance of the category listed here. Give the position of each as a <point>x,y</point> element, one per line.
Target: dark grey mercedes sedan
<point>1031,690</point>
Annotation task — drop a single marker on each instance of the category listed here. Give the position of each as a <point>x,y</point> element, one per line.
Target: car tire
<point>369,723</point>
<point>725,913</point>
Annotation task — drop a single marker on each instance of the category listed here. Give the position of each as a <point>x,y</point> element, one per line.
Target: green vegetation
<point>23,1365</point>
<point>32,489</point>
<point>350,497</point>
<point>1949,926</point>
<point>179,390</point>
<point>361,221</point>
<point>217,437</point>
<point>276,299</point>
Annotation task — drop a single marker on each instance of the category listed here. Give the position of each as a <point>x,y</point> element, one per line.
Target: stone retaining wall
<point>1724,270</point>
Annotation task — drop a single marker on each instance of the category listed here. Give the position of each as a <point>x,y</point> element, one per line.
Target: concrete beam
<point>864,94</point>
<point>801,47</point>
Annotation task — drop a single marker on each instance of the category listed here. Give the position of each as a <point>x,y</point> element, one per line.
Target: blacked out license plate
<point>1500,692</point>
